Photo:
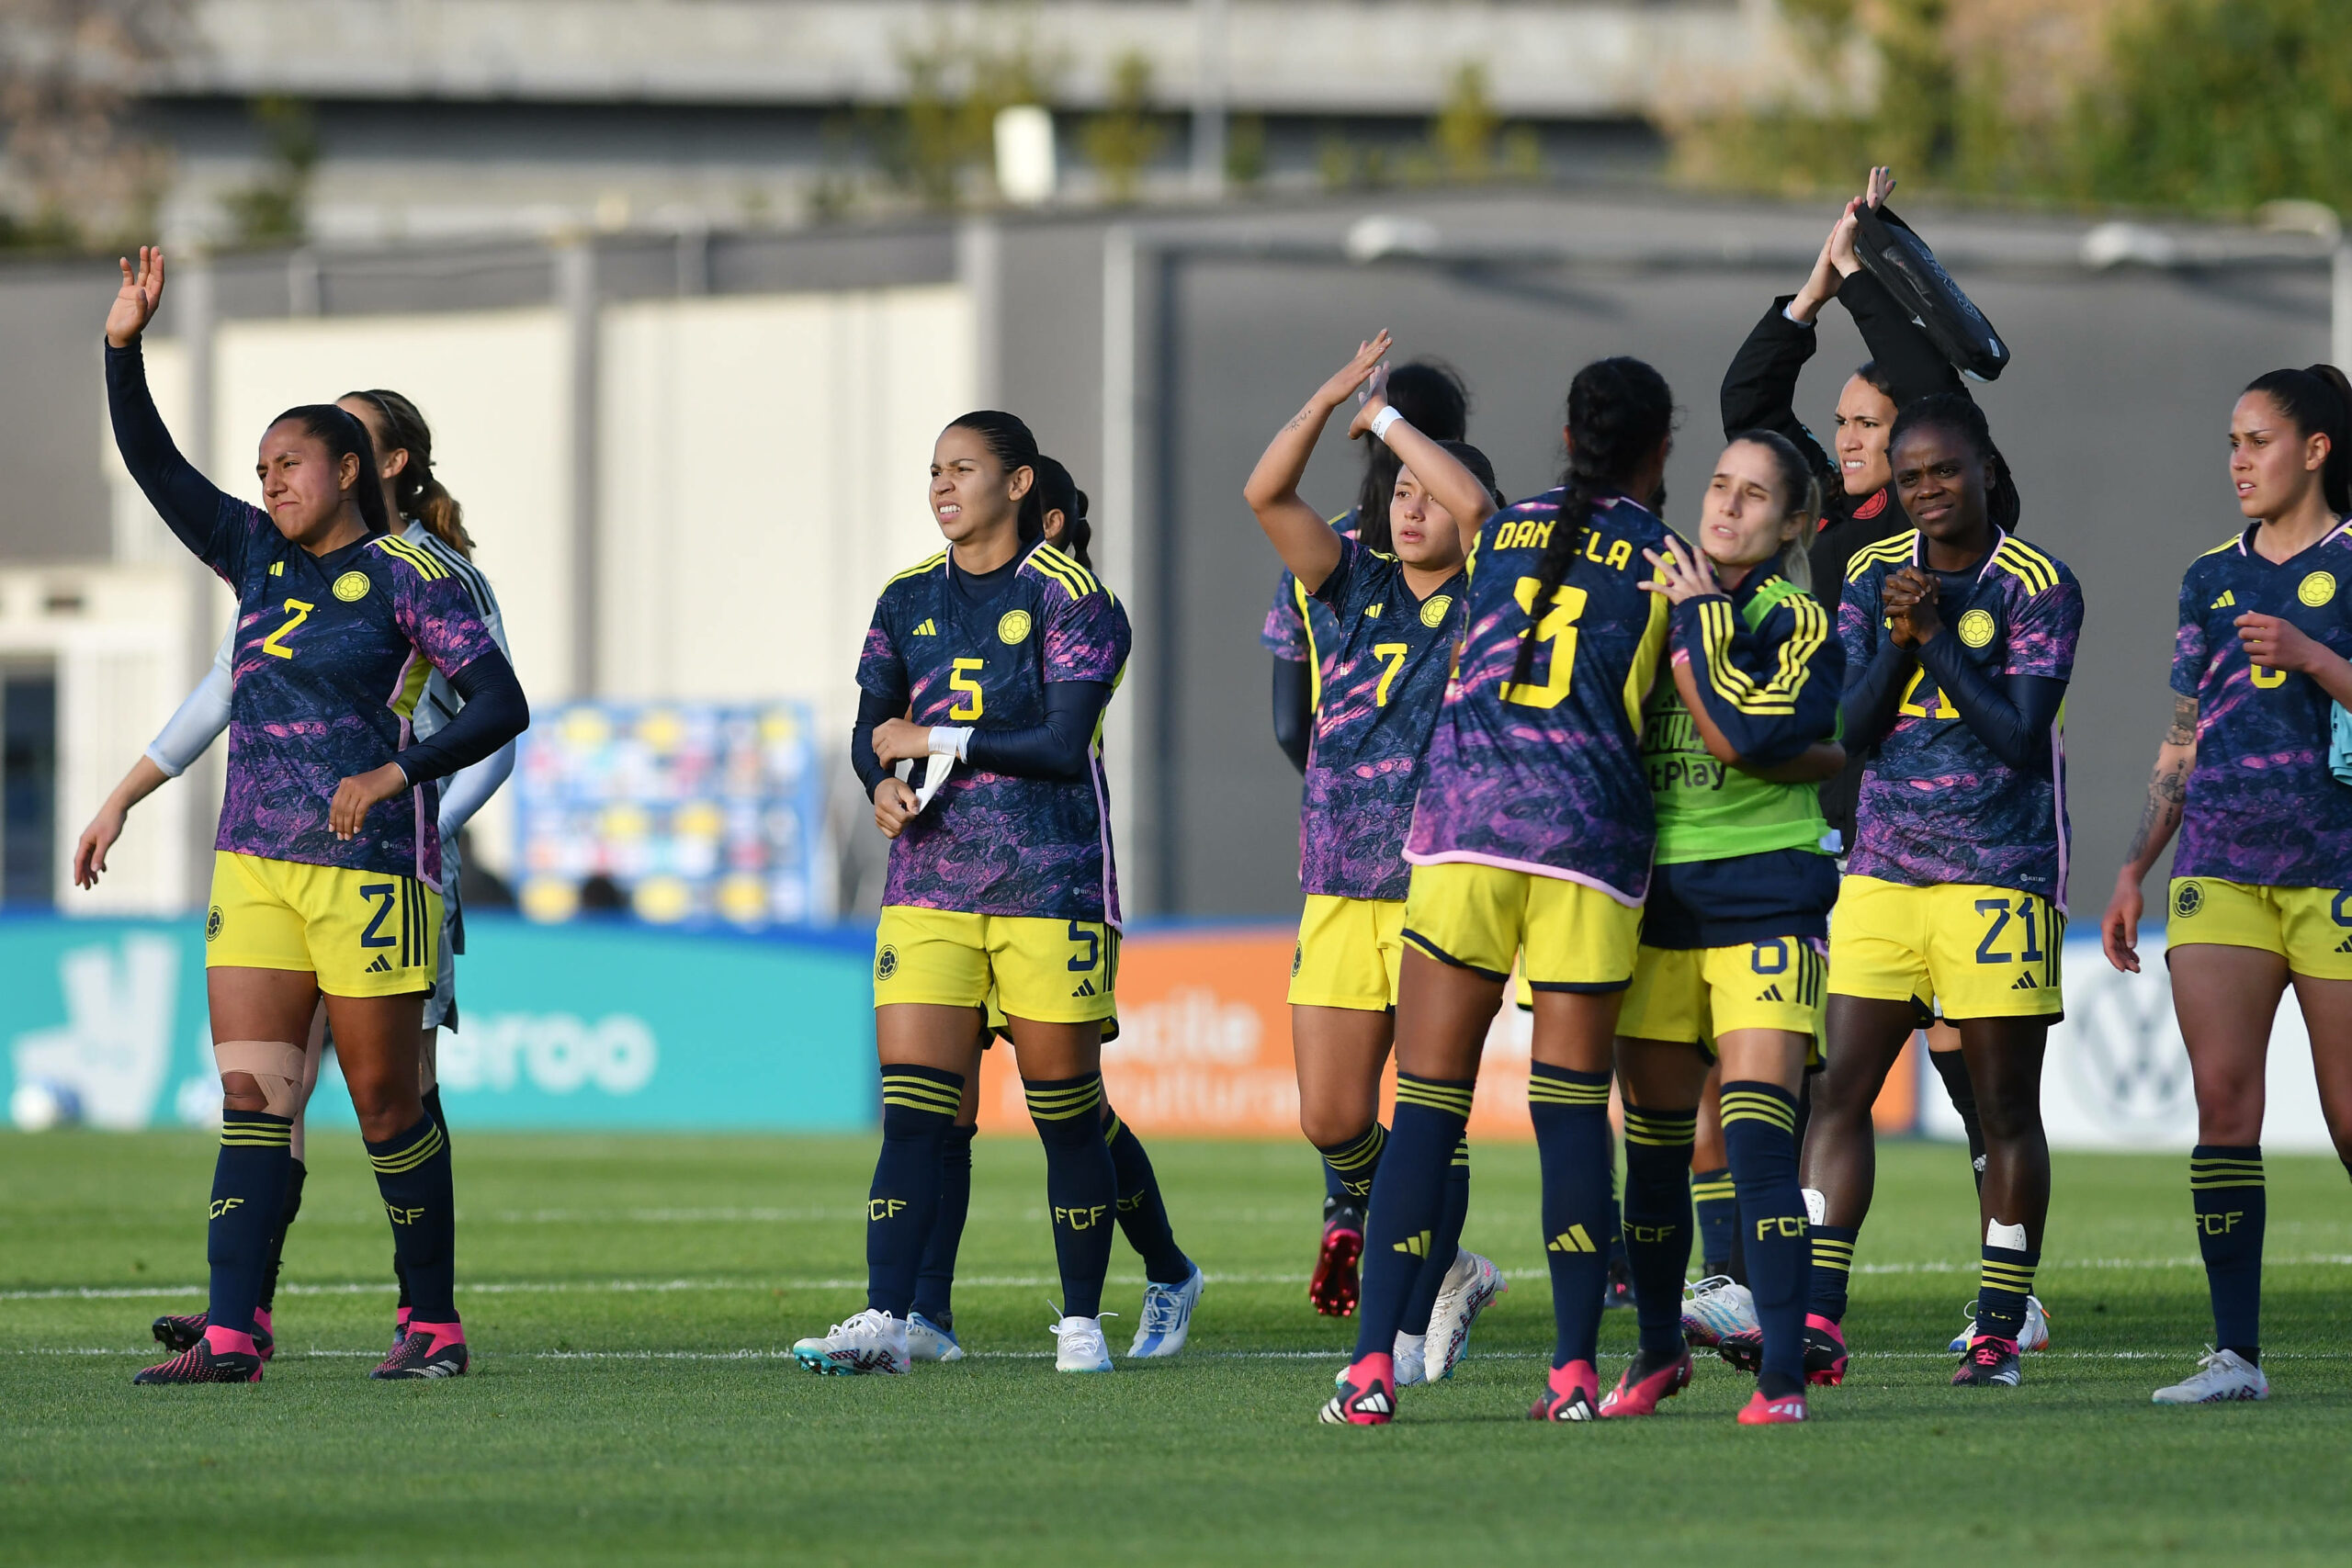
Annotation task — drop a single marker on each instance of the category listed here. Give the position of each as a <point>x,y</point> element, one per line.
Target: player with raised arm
<point>1734,934</point>
<point>327,875</point>
<point>435,522</point>
<point>1959,641</point>
<point>1172,1284</point>
<point>988,668</point>
<point>2261,894</point>
<point>1395,617</point>
<point>1531,842</point>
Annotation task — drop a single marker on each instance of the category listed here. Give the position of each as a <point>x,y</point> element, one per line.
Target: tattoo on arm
<point>2168,785</point>
<point>2184,722</point>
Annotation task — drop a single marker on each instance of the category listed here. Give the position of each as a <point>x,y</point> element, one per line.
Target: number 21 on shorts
<point>2023,930</point>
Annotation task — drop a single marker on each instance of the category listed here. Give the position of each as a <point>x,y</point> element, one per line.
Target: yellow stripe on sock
<point>1453,1101</point>
<point>408,1159</point>
<point>1558,1091</point>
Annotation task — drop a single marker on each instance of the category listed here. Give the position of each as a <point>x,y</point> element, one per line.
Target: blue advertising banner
<point>591,1024</point>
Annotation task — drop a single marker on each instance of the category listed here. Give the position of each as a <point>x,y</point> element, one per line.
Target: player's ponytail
<point>1429,394</point>
<point>344,434</point>
<point>2319,399</point>
<point>1620,413</point>
<point>419,494</point>
<point>1958,413</point>
<point>1015,448</point>
<point>1800,498</point>
<point>1060,492</point>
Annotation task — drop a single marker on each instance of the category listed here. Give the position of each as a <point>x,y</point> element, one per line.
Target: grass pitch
<point>630,1300</point>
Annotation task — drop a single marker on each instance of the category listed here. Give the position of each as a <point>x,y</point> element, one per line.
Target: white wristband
<point>1383,419</point>
<point>947,740</point>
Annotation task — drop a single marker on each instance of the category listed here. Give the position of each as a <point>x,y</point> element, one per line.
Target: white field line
<point>998,1281</point>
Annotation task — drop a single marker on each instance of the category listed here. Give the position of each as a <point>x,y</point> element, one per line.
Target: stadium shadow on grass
<point>631,1300</point>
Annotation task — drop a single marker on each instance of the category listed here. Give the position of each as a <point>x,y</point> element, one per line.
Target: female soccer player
<point>1005,652</point>
<point>1172,1283</point>
<point>2261,892</point>
<point>435,522</point>
<point>1531,839</point>
<point>1959,641</point>
<point>1395,617</point>
<point>326,878</point>
<point>1734,934</point>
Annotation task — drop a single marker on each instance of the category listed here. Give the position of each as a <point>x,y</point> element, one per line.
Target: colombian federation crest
<point>1433,612</point>
<point>1976,629</point>
<point>1014,629</point>
<point>351,587</point>
<point>2317,589</point>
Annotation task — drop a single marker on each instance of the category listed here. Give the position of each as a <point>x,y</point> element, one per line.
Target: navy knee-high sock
<point>935,1281</point>
<point>1715,1197</point>
<point>1082,1185</point>
<point>918,1107</point>
<point>1444,1246</point>
<point>413,1177</point>
<point>1408,1198</point>
<point>1657,1220</point>
<point>1350,1165</point>
<point>1952,1068</point>
<point>1143,1213</point>
<point>248,1194</point>
<point>1571,1114</point>
<point>2230,1203</point>
<point>295,1175</point>
<point>1760,1134</point>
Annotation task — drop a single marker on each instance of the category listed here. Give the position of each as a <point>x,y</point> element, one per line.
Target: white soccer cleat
<point>2222,1378</point>
<point>2034,1336</point>
<point>1717,1308</point>
<point>870,1342</point>
<point>1079,1346</point>
<point>1470,1288</point>
<point>1167,1317</point>
<point>1410,1357</point>
<point>926,1341</point>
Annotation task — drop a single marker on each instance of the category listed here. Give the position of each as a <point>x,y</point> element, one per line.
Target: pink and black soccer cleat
<point>1334,1287</point>
<point>426,1351</point>
<point>1368,1395</point>
<point>178,1331</point>
<point>1825,1351</point>
<point>1644,1382</point>
<point>1569,1394</point>
<point>1786,1411</point>
<point>200,1362</point>
<point>1990,1363</point>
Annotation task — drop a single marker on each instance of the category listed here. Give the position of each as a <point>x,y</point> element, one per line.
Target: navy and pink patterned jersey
<point>1937,805</point>
<point>2263,806</point>
<point>1381,688</point>
<point>990,843</point>
<point>1546,776</point>
<point>333,653</point>
<point>1297,628</point>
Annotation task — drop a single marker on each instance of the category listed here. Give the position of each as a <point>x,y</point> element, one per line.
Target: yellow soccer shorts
<point>1981,952</point>
<point>2311,928</point>
<point>363,934</point>
<point>1696,994</point>
<point>1052,971</point>
<point>1348,954</point>
<point>1568,936</point>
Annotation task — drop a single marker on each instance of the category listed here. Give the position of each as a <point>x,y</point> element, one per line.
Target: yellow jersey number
<point>969,707</point>
<point>274,642</point>
<point>1392,654</point>
<point>1558,627</point>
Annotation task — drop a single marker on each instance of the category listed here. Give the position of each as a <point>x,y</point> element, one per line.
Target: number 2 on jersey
<point>1393,655</point>
<point>274,642</point>
<point>959,681</point>
<point>1558,627</point>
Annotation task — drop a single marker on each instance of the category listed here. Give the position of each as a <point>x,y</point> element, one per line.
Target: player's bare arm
<point>2159,819</point>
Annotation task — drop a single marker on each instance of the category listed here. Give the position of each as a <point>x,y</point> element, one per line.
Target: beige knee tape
<point>276,1066</point>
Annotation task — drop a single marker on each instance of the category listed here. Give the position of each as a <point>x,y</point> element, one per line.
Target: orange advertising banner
<point>1204,1050</point>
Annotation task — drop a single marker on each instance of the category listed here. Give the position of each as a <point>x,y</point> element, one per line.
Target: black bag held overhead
<point>1899,259</point>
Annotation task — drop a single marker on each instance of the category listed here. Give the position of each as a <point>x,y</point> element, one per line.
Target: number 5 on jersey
<point>968,706</point>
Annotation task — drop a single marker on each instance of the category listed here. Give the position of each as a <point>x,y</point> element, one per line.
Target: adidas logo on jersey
<point>1085,988</point>
<point>2024,982</point>
<point>1770,993</point>
<point>1576,1238</point>
<point>2224,602</point>
<point>1415,1246</point>
<point>2344,947</point>
<point>382,965</point>
<point>928,628</point>
<point>1373,613</point>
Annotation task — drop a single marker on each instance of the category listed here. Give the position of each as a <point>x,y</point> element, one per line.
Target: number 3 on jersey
<point>1558,627</point>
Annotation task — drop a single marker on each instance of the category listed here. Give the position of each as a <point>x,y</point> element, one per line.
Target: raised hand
<point>1881,186</point>
<point>143,291</point>
<point>1681,573</point>
<point>1842,256</point>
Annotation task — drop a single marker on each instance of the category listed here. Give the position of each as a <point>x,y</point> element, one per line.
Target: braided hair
<point>1620,413</point>
<point>1060,492</point>
<point>1958,413</point>
<point>2319,399</point>
<point>1009,440</point>
<point>414,490</point>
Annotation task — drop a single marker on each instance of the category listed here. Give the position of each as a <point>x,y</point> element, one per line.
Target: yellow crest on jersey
<point>2317,589</point>
<point>1014,627</point>
<point>1976,629</point>
<point>351,587</point>
<point>1433,612</point>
